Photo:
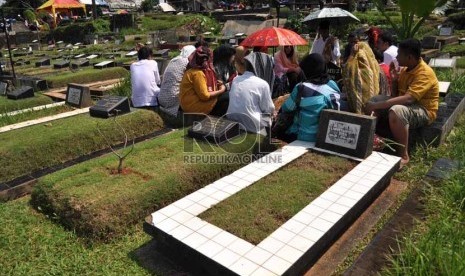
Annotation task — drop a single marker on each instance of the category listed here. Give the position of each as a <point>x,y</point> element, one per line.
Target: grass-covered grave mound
<point>33,114</point>
<point>98,204</point>
<point>8,105</point>
<point>85,76</point>
<point>258,210</point>
<point>40,146</point>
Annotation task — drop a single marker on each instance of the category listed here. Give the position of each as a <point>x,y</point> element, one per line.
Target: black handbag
<point>285,119</point>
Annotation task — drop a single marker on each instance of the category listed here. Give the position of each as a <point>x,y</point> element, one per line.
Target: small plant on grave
<point>379,143</point>
<point>124,151</point>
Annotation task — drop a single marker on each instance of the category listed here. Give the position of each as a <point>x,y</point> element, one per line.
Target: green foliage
<point>123,88</point>
<point>194,23</point>
<point>410,9</point>
<point>31,115</point>
<point>147,5</point>
<point>86,76</point>
<point>374,18</point>
<point>73,33</point>
<point>454,50</point>
<point>61,140</point>
<point>29,15</point>
<point>101,26</point>
<point>460,63</point>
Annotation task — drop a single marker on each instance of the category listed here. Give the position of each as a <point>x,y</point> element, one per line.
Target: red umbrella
<point>272,36</point>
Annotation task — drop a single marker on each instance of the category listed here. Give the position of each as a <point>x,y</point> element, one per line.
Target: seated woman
<point>317,92</point>
<point>250,101</point>
<point>287,67</point>
<point>144,79</point>
<point>199,89</point>
<point>360,77</point>
<point>169,89</point>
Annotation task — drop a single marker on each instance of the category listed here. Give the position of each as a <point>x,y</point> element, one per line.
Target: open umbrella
<point>336,16</point>
<point>273,36</point>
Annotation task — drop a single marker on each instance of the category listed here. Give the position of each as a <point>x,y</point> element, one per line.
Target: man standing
<point>414,102</point>
<point>326,44</point>
<point>145,79</point>
<point>385,45</point>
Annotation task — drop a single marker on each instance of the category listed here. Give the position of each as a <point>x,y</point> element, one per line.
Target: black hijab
<point>314,68</point>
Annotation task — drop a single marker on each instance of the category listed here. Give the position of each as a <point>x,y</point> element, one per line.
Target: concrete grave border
<point>290,248</point>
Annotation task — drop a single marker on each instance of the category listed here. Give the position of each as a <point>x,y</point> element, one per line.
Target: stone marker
<point>443,87</point>
<point>346,133</point>
<point>79,56</point>
<point>3,87</point>
<point>442,62</point>
<point>162,53</point>
<point>217,130</point>
<point>80,63</point>
<point>36,83</point>
<point>43,62</point>
<point>78,95</point>
<point>443,168</point>
<point>104,64</point>
<point>110,106</point>
<point>92,56</point>
<point>429,42</point>
<point>131,54</point>
<point>21,93</point>
<point>61,64</point>
<point>445,31</point>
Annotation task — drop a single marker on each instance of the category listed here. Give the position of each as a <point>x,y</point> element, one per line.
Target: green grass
<point>99,205</point>
<point>86,76</point>
<point>255,212</point>
<point>8,105</point>
<point>454,50</point>
<point>34,245</point>
<point>460,63</point>
<point>43,145</point>
<point>31,115</point>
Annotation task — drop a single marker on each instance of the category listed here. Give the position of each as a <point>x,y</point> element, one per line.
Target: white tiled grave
<point>296,243</point>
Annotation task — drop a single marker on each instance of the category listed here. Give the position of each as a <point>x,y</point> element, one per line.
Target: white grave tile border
<point>288,247</point>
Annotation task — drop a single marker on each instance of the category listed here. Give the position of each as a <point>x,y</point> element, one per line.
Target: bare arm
<point>401,100</point>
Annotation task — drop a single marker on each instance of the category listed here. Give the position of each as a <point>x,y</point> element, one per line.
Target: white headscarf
<point>186,51</point>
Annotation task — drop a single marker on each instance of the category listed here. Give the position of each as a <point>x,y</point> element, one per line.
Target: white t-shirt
<point>319,46</point>
<point>390,55</point>
<point>144,81</point>
<point>250,103</point>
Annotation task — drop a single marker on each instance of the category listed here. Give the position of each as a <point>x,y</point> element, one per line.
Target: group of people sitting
<point>378,79</point>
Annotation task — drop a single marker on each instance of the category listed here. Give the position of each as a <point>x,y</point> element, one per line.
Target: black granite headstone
<point>347,133</point>
<point>36,83</point>
<point>43,62</point>
<point>429,42</point>
<point>214,129</point>
<point>162,53</point>
<point>443,168</point>
<point>78,95</point>
<point>80,63</point>
<point>61,64</point>
<point>110,106</point>
<point>21,93</point>
<point>3,87</point>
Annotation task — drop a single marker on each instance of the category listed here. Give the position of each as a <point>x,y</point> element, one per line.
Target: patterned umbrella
<point>272,36</point>
<point>336,16</point>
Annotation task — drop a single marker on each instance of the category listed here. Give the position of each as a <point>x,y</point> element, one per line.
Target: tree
<point>414,14</point>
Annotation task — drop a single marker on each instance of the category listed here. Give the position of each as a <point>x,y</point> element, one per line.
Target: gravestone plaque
<point>347,133</point>
<point>78,95</point>
<point>21,93</point>
<point>429,42</point>
<point>213,129</point>
<point>443,87</point>
<point>36,83</point>
<point>79,56</point>
<point>3,87</point>
<point>334,72</point>
<point>162,53</point>
<point>61,64</point>
<point>110,106</point>
<point>442,62</point>
<point>131,54</point>
<point>104,64</point>
<point>80,63</point>
<point>43,62</point>
<point>92,56</point>
<point>445,31</point>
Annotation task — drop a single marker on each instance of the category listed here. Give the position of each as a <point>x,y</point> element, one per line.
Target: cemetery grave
<point>7,105</point>
<point>32,113</point>
<point>154,175</point>
<point>65,139</point>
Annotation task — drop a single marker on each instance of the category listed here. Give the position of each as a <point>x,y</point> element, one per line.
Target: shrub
<point>73,33</point>
<point>458,19</point>
<point>101,26</point>
<point>454,50</point>
<point>29,15</point>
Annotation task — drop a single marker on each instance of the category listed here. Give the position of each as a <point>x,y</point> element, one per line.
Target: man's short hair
<point>387,37</point>
<point>411,46</point>
<point>144,53</point>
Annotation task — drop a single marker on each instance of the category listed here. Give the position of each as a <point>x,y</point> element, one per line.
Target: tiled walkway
<point>303,233</point>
